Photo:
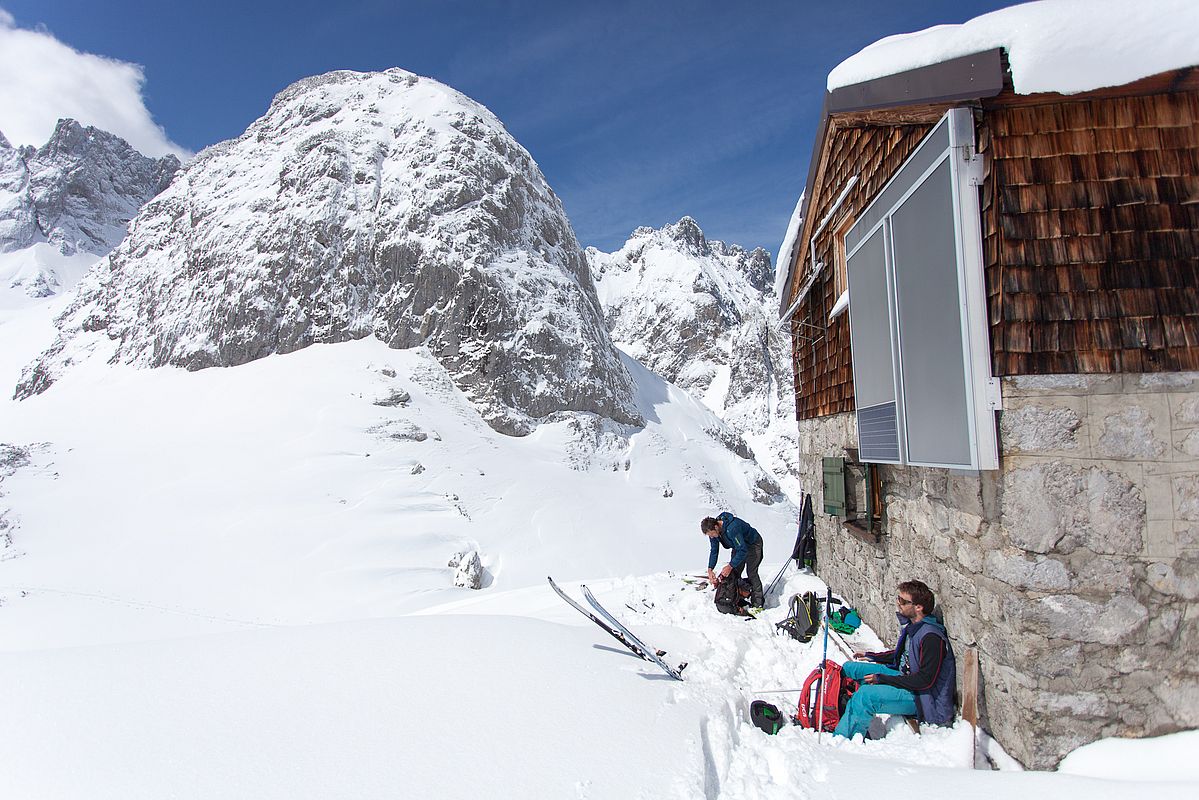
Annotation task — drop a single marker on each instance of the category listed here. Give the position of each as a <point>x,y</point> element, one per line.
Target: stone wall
<point>1074,568</point>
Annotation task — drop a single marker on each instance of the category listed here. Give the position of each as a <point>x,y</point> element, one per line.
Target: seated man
<point>917,678</point>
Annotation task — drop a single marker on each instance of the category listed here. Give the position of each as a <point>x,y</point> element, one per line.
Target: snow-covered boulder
<point>702,314</point>
<point>361,204</point>
<point>469,572</point>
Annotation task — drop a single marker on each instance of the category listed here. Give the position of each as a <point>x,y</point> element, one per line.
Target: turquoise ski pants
<point>871,699</point>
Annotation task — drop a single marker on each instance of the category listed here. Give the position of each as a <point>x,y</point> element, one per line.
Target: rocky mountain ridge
<point>76,193</point>
<point>702,314</point>
<point>360,204</point>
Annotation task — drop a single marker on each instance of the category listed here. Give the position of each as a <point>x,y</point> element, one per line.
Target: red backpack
<point>832,695</point>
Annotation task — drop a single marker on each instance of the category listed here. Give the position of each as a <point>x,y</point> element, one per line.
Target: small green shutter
<point>834,486</point>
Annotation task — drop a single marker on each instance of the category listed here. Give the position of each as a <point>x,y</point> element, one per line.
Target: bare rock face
<point>701,314</point>
<point>361,204</point>
<point>77,192</point>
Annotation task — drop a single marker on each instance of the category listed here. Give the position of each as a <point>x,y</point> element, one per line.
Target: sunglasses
<point>903,602</point>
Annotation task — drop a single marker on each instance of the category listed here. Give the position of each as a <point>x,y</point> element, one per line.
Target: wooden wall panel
<point>1092,234</point>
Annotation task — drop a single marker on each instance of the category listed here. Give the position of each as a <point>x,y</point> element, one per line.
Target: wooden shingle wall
<point>1091,234</point>
<point>822,358</point>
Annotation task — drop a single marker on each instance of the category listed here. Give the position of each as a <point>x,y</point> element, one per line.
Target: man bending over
<point>745,542</point>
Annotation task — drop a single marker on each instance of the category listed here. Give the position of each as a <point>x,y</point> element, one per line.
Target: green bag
<point>845,620</point>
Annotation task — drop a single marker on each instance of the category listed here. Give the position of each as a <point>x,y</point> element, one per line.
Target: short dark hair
<point>921,595</point>
<point>707,524</point>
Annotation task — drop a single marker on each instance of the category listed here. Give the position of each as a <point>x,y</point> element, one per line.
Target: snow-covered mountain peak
<point>686,232</point>
<point>699,313</point>
<point>678,257</point>
<point>361,204</point>
<point>77,192</point>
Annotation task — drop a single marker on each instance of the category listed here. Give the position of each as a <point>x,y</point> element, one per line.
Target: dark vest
<point>936,704</point>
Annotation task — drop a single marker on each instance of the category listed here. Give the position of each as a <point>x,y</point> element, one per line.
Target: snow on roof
<point>1064,46</point>
<point>782,261</point>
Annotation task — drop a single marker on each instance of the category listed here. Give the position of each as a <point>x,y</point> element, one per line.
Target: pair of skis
<point>619,632</point>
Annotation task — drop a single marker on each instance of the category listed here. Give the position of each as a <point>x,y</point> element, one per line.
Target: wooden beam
<point>970,697</point>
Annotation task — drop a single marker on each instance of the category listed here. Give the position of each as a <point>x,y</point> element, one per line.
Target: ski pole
<point>770,589</point>
<point>828,602</point>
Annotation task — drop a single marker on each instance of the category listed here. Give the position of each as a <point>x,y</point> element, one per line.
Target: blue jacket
<point>924,659</point>
<point>736,535</point>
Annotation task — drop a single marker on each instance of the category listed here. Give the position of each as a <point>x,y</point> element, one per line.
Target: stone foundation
<point>1074,568</point>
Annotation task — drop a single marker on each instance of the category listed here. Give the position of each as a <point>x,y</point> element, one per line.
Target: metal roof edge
<point>968,77</point>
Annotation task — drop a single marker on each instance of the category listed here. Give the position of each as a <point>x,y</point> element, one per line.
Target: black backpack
<point>766,716</point>
<point>803,617</point>
<point>732,596</point>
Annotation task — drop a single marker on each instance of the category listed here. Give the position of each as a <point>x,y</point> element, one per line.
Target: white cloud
<point>43,80</point>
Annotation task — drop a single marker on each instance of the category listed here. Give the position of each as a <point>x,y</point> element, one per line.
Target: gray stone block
<point>1164,626</point>
<point>1131,432</point>
<point>1183,584</point>
<point>1085,704</point>
<point>1162,381</point>
<point>1187,536</point>
<point>1040,573</point>
<point>1100,575</point>
<point>1119,621</point>
<point>1186,411</point>
<point>1056,506</point>
<point>1039,385</point>
<point>1179,698</point>
<point>1039,429</point>
<point>970,556</point>
<point>1187,443</point>
<point>1186,497</point>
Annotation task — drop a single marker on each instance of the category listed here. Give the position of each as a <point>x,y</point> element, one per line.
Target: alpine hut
<point>993,295</point>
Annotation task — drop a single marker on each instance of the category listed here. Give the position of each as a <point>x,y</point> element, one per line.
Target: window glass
<point>873,361</point>
<point>928,307</point>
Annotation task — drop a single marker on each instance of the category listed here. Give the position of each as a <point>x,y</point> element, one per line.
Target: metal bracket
<point>994,391</point>
<point>976,166</point>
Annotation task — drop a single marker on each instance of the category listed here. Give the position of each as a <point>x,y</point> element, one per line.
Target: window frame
<point>950,140</point>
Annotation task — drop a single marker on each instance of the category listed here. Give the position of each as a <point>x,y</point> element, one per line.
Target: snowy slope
<point>700,313</point>
<point>508,696</point>
<point>161,491</point>
<point>360,205</point>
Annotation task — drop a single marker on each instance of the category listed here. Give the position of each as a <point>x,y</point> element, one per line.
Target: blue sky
<point>637,112</point>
